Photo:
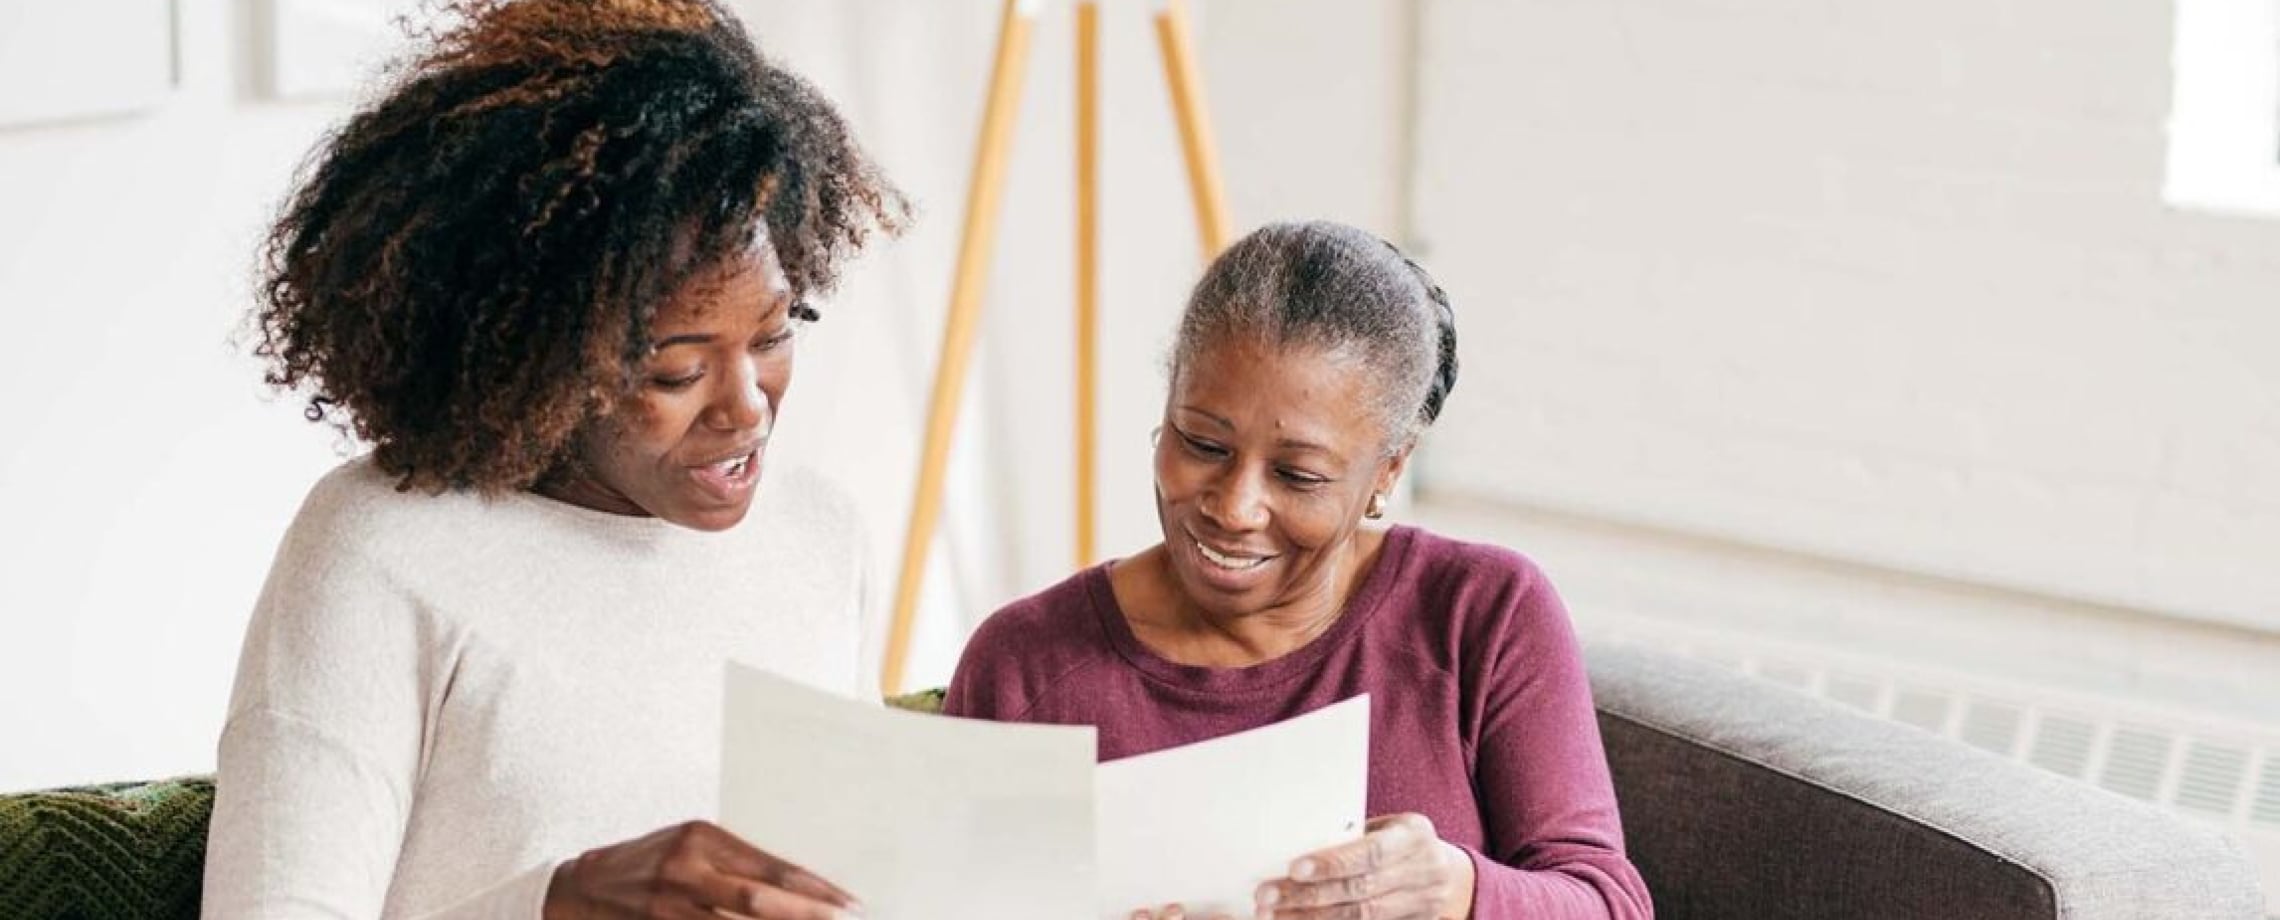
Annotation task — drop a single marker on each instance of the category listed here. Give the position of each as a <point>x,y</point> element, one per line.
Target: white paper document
<point>931,818</point>
<point>917,816</point>
<point>1204,824</point>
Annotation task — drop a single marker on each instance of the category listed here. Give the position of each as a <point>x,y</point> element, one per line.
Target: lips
<point>1235,562</point>
<point>730,477</point>
<point>1230,560</point>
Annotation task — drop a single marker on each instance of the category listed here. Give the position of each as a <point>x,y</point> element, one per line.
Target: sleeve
<point>319,758</point>
<point>990,680</point>
<point>1554,845</point>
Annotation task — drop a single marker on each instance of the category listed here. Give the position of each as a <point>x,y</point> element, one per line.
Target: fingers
<point>722,874</point>
<point>1390,839</point>
<point>1400,890</point>
<point>1396,870</point>
<point>716,894</point>
<point>766,903</point>
<point>732,855</point>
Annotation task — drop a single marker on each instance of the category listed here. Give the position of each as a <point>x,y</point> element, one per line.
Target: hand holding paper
<point>1400,868</point>
<point>1205,824</point>
<point>935,818</point>
<point>919,817</point>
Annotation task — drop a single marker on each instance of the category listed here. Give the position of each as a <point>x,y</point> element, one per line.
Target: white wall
<point>1304,130</point>
<point>1843,339</point>
<point>147,474</point>
<point>1888,283</point>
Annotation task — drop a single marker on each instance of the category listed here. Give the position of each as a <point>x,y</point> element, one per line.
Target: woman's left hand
<point>1401,869</point>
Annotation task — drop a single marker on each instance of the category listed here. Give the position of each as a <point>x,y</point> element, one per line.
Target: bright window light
<point>2224,121</point>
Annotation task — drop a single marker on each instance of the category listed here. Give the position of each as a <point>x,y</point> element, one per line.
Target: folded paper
<point>931,818</point>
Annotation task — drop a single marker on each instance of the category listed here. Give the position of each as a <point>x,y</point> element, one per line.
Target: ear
<point>1391,472</point>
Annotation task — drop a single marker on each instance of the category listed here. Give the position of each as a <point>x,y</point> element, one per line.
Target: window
<point>2224,117</point>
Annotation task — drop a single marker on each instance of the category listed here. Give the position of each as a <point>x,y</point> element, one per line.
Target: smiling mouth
<point>734,467</point>
<point>1230,561</point>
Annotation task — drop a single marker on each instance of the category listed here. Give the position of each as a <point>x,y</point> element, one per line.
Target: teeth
<point>733,467</point>
<point>1237,563</point>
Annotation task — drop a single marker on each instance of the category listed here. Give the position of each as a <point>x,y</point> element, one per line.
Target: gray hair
<point>1333,287</point>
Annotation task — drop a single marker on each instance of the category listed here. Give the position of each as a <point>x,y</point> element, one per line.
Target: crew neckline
<point>1369,595</point>
<point>645,530</point>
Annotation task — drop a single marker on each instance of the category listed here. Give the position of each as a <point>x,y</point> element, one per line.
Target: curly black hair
<point>467,269</point>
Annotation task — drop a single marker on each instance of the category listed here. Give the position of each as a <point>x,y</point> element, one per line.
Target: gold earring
<point>1377,506</point>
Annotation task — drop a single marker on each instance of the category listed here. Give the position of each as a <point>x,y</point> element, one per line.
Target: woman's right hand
<point>692,871</point>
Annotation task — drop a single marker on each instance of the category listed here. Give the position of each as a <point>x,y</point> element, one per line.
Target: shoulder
<point>1449,564</point>
<point>1479,596</point>
<point>1055,621</point>
<point>1027,647</point>
<point>340,612</point>
<point>356,510</point>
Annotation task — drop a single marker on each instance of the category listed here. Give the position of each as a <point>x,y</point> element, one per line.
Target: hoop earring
<point>1377,506</point>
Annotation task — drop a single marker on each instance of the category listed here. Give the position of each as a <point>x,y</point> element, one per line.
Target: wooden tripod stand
<point>977,244</point>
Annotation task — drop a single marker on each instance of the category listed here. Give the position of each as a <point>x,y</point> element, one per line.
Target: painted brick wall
<point>1889,283</point>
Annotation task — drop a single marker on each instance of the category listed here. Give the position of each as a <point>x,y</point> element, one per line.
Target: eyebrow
<point>697,338</point>
<point>783,302</point>
<point>1292,443</point>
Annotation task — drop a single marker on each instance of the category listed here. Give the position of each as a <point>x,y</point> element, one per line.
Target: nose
<point>1236,501</point>
<point>741,404</point>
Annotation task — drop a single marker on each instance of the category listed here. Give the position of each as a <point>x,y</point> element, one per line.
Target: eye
<point>677,382</point>
<point>774,340</point>
<point>1202,448</point>
<point>1301,479</point>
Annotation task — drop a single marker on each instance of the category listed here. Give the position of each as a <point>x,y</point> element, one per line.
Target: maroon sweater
<point>1480,714</point>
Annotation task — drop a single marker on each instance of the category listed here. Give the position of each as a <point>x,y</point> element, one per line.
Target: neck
<point>565,484</point>
<point>1264,637</point>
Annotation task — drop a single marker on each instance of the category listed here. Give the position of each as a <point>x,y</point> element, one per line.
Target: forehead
<point>746,287</point>
<point>1325,393</point>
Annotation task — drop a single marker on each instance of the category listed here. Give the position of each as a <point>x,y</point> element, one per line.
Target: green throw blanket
<point>126,850</point>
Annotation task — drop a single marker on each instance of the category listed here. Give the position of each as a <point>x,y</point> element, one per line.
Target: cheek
<point>1176,480</point>
<point>600,448</point>
<point>1315,520</point>
<point>645,428</point>
<point>773,375</point>
<point>1314,524</point>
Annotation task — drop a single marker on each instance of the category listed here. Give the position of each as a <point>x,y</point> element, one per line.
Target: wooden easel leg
<point>1186,80</point>
<point>977,243</point>
<point>1088,277</point>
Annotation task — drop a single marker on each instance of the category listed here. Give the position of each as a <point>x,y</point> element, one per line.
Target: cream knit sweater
<point>441,697</point>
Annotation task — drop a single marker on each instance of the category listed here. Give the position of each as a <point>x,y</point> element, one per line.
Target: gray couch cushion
<point>1742,799</point>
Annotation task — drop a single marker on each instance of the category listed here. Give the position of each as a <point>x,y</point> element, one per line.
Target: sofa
<point>1744,799</point>
<point>1740,799</point>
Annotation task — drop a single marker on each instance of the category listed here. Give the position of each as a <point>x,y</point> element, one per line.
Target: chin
<point>1215,599</point>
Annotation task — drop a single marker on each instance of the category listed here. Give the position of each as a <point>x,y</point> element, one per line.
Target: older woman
<point>552,277</point>
<point>1310,358</point>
